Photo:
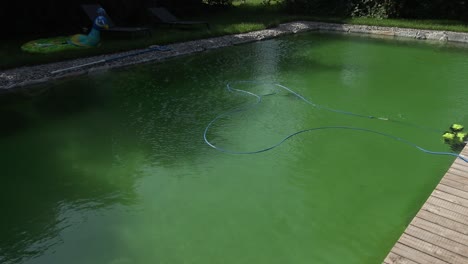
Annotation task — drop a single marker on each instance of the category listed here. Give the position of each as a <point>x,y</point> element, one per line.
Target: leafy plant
<point>218,2</point>
<point>373,8</point>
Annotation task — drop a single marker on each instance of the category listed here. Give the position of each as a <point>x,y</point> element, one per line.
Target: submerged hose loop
<point>259,100</point>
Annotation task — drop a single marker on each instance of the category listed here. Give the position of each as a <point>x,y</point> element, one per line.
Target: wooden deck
<point>439,231</point>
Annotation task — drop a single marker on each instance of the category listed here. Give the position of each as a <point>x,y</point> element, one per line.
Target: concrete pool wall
<point>17,78</point>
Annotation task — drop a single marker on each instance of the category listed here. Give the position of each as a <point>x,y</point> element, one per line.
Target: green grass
<point>244,16</point>
<point>238,19</point>
<point>448,25</point>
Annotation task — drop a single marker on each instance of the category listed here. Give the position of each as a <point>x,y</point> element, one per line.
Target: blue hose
<point>259,100</point>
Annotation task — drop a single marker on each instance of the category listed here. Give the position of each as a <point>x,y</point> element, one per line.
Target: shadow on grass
<point>227,21</point>
<point>232,20</point>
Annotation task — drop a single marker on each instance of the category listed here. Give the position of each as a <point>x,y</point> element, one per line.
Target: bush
<point>318,7</point>
<point>218,2</point>
<point>434,9</point>
<point>374,8</point>
<point>420,9</point>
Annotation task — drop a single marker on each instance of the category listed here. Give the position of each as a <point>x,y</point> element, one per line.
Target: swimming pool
<point>113,168</point>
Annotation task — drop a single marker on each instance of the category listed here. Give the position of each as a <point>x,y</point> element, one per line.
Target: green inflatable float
<point>49,45</point>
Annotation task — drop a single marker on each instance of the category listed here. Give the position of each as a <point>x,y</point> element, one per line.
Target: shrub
<point>318,7</point>
<point>374,8</point>
<point>218,2</point>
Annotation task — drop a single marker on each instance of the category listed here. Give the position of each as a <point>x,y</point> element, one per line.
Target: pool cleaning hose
<point>258,97</point>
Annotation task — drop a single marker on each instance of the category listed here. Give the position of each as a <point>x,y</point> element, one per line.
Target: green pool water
<point>112,168</point>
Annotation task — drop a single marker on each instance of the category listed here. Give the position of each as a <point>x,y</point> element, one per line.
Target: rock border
<point>13,79</point>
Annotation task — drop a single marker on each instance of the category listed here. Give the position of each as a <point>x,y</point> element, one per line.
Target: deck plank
<point>447,205</point>
<point>456,178</point>
<point>415,255</point>
<point>439,231</point>
<point>457,173</point>
<point>451,246</point>
<point>446,213</point>
<point>450,198</point>
<point>452,190</point>
<point>393,258</point>
<point>461,166</point>
<point>454,184</point>
<point>432,249</point>
<point>443,222</point>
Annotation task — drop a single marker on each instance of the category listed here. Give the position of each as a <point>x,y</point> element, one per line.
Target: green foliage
<point>373,8</point>
<point>270,2</point>
<point>39,20</point>
<point>218,2</point>
<point>434,9</point>
<point>440,9</point>
<point>51,17</point>
<point>318,7</point>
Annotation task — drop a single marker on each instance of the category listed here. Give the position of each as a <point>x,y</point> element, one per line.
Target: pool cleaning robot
<point>455,137</point>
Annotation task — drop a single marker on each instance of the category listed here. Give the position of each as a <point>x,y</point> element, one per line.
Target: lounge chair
<point>165,17</point>
<point>90,11</point>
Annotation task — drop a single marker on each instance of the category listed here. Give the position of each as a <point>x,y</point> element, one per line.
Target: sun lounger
<point>165,17</point>
<point>90,11</point>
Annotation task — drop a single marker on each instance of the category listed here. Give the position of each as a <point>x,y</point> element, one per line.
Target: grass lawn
<point>244,16</point>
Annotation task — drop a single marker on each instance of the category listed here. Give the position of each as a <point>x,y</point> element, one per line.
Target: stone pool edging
<point>16,78</point>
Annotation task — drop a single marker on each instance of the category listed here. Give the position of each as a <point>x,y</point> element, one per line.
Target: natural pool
<point>112,168</point>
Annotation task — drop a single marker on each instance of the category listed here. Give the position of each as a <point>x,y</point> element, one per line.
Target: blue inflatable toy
<point>55,44</point>
<point>93,38</point>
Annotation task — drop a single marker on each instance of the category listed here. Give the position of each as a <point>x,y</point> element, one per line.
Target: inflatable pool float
<point>48,45</point>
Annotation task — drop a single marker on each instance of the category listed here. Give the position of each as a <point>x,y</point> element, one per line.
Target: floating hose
<point>259,100</point>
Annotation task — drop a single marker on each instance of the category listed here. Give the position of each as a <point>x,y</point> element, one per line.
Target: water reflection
<point>82,146</point>
<point>60,151</point>
<point>124,151</point>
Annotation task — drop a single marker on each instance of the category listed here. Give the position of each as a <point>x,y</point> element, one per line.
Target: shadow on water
<point>84,143</point>
<point>56,157</point>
